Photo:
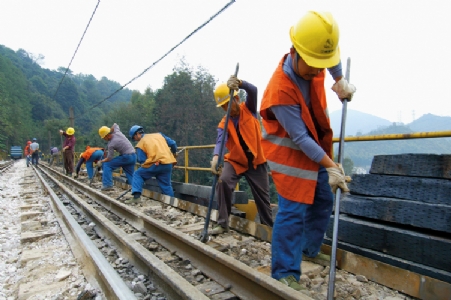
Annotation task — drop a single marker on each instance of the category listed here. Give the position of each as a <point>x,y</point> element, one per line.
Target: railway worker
<point>27,153</point>
<point>89,157</point>
<point>157,155</point>
<point>54,155</point>
<point>245,157</point>
<point>68,150</point>
<point>297,141</point>
<point>126,159</point>
<point>34,151</point>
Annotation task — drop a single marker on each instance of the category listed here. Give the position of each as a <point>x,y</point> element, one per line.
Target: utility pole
<point>50,140</point>
<point>71,116</point>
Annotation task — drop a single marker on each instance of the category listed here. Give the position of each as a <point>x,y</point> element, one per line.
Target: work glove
<point>337,178</point>
<point>233,83</point>
<point>343,89</point>
<point>99,164</point>
<point>214,164</point>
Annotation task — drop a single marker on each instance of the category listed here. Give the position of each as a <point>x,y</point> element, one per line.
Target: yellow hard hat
<point>315,38</point>
<point>222,94</point>
<point>70,131</point>
<point>103,131</point>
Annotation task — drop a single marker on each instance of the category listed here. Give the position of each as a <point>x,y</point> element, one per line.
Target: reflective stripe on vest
<point>290,171</point>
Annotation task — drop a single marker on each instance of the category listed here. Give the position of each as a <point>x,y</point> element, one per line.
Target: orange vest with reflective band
<point>294,174</point>
<point>156,149</point>
<point>251,134</point>
<point>88,153</point>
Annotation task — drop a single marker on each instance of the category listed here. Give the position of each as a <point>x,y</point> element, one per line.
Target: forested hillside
<point>32,105</point>
<point>35,101</point>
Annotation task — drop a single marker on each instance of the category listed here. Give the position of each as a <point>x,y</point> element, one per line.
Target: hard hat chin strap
<point>296,59</point>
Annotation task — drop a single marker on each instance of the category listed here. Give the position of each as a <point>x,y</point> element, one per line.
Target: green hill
<point>362,153</point>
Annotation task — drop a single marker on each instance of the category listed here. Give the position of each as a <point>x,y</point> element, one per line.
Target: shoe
<point>218,229</point>
<point>107,188</point>
<point>292,283</point>
<point>133,200</point>
<point>320,259</point>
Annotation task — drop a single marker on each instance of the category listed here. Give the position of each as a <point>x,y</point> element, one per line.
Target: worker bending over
<point>89,157</point>
<point>126,159</point>
<point>156,154</point>
<point>245,157</point>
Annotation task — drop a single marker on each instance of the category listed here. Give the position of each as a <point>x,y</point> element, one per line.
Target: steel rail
<point>171,283</point>
<point>235,276</point>
<point>6,166</point>
<point>96,267</point>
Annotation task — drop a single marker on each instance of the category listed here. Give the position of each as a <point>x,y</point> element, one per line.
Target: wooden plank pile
<point>400,213</point>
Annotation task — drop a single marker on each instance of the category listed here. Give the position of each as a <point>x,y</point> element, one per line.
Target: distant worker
<point>117,141</point>
<point>297,142</point>
<point>156,154</point>
<point>89,157</point>
<point>34,150</point>
<point>68,150</point>
<point>245,157</point>
<point>27,152</point>
<point>54,155</point>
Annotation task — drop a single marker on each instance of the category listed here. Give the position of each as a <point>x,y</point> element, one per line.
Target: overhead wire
<point>73,56</point>
<point>167,53</point>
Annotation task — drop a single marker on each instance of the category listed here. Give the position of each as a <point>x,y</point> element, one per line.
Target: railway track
<point>5,166</point>
<point>151,251</point>
<point>175,263</point>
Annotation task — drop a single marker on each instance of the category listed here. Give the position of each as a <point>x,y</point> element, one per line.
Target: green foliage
<point>185,110</point>
<point>30,96</point>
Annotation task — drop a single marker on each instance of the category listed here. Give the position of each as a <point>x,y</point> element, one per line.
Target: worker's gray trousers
<point>259,183</point>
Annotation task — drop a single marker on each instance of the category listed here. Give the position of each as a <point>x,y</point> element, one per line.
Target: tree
<point>185,110</point>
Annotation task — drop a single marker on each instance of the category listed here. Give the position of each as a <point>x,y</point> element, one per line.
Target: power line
<point>172,49</point>
<point>67,69</point>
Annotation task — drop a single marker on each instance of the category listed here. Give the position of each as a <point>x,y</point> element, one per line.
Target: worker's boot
<point>320,259</point>
<point>133,200</point>
<point>292,283</point>
<point>107,188</point>
<point>218,229</point>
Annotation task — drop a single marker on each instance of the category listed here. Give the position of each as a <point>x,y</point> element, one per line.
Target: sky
<point>400,60</point>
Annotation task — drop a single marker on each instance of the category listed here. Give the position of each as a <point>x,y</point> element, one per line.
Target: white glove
<point>214,163</point>
<point>233,83</point>
<point>99,164</point>
<point>343,89</point>
<point>337,178</point>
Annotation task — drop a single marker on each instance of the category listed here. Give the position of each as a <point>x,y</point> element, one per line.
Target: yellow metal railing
<point>400,136</point>
<point>383,137</point>
<point>187,168</point>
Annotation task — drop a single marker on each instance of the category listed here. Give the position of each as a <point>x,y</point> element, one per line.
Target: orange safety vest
<point>88,153</point>
<point>156,149</point>
<point>27,150</point>
<point>251,134</point>
<point>294,174</point>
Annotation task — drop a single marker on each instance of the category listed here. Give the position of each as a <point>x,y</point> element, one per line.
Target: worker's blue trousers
<point>126,161</point>
<point>97,155</point>
<point>161,172</point>
<point>299,229</point>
